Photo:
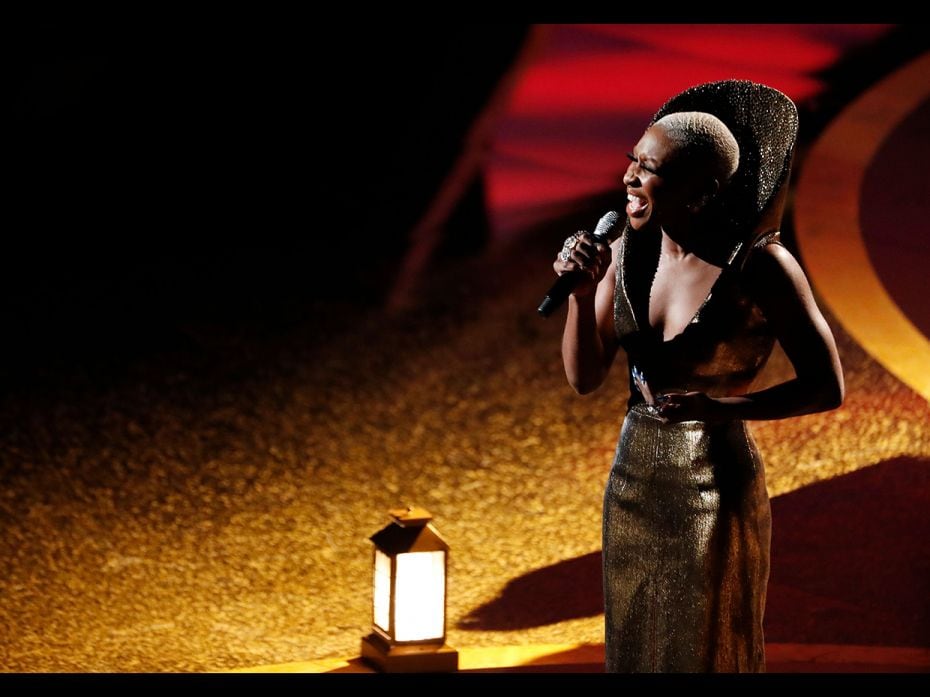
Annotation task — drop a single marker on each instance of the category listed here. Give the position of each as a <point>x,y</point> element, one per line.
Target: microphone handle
<point>564,285</point>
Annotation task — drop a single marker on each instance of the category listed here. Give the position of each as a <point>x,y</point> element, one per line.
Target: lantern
<point>409,598</point>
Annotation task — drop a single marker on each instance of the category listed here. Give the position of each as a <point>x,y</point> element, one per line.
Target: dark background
<point>227,180</point>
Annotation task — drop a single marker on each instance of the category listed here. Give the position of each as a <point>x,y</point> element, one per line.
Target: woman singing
<point>696,289</point>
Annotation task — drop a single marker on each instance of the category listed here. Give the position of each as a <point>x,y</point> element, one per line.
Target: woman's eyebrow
<point>638,156</point>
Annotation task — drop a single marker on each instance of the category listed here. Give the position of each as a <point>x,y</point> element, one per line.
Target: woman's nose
<point>630,176</point>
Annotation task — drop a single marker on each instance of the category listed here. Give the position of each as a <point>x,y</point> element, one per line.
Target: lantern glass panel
<point>419,610</point>
<point>382,591</point>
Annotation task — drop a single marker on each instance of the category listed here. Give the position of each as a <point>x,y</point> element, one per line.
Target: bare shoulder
<point>605,288</point>
<point>777,282</point>
<point>772,268</point>
<point>604,301</point>
<point>615,251</point>
<point>610,276</point>
<point>615,245</point>
<point>772,259</point>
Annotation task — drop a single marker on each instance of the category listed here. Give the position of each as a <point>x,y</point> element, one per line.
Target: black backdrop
<point>223,175</point>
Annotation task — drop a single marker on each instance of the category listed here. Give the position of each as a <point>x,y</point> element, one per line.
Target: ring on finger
<point>572,240</point>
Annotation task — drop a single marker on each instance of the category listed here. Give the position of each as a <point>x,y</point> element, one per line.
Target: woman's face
<point>659,190</point>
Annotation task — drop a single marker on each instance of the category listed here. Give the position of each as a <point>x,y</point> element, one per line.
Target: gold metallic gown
<point>686,514</point>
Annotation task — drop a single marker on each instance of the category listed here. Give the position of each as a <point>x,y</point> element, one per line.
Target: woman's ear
<point>708,191</point>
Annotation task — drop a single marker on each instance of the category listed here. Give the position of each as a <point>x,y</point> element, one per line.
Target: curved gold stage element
<point>829,235</point>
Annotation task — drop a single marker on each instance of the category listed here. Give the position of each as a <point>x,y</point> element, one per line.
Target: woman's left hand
<point>689,406</point>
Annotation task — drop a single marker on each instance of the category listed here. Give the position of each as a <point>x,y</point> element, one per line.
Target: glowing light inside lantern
<point>420,596</point>
<point>382,594</point>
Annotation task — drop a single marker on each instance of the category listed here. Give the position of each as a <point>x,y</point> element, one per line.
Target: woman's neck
<point>682,241</point>
<point>675,247</point>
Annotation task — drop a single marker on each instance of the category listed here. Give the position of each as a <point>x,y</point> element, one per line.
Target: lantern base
<point>421,658</point>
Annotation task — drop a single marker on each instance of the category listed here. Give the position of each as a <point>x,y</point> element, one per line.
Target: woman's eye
<point>632,158</point>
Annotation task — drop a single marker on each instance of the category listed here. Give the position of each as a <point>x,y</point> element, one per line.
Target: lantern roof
<point>410,516</point>
<point>409,531</point>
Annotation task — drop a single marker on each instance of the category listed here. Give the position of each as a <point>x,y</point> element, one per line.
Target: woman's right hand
<point>589,256</point>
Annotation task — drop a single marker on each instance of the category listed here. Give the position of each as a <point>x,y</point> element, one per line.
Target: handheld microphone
<point>566,283</point>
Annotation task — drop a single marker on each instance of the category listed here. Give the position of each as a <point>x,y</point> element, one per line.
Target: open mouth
<point>636,206</point>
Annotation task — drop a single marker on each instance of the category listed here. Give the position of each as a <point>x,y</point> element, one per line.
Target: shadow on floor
<point>851,559</point>
<point>562,591</point>
<point>850,565</point>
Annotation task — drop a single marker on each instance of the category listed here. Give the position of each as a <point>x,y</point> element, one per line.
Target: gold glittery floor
<point>217,517</point>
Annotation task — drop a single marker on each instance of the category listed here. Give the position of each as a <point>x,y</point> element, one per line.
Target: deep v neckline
<point>644,323</point>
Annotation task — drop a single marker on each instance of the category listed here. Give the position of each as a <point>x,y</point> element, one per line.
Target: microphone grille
<point>607,223</point>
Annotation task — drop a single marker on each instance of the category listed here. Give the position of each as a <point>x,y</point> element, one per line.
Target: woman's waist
<point>650,412</point>
<point>645,436</point>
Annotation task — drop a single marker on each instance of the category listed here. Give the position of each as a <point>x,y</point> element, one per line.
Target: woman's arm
<point>589,342</point>
<point>784,295</point>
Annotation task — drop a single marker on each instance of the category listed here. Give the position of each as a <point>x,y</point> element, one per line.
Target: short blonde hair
<point>704,135</point>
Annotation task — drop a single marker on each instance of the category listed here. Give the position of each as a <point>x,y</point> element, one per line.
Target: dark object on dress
<point>686,513</point>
